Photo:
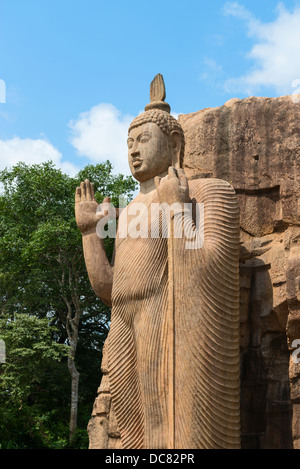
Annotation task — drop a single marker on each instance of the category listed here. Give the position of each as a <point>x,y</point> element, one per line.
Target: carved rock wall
<point>103,428</point>
<point>254,144</point>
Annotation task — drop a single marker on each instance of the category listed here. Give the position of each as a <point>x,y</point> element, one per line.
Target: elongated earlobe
<point>176,146</point>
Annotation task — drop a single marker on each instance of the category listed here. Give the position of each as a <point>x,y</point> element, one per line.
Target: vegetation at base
<point>44,287</point>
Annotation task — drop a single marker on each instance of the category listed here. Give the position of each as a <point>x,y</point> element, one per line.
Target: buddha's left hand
<point>173,188</point>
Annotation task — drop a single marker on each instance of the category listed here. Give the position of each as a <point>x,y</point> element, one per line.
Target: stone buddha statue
<point>171,359</point>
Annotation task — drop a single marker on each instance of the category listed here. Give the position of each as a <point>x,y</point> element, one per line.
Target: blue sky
<point>76,72</point>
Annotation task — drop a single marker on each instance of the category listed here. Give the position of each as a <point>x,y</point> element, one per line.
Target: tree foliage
<point>27,387</point>
<point>46,301</point>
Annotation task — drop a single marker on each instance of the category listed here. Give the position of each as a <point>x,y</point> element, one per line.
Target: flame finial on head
<point>158,95</point>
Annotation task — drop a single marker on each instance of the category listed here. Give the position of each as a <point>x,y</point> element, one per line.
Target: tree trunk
<point>74,393</point>
<point>72,327</point>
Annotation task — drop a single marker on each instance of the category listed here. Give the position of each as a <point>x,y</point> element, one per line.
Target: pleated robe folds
<point>173,345</point>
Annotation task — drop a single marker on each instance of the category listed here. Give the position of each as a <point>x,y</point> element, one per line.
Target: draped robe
<point>173,345</point>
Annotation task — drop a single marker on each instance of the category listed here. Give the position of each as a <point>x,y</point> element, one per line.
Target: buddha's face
<point>150,151</point>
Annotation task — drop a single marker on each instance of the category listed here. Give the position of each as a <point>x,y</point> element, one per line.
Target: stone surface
<point>254,144</point>
<point>102,428</point>
<point>172,353</point>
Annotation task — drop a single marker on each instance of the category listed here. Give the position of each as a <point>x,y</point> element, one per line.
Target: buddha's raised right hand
<point>86,206</point>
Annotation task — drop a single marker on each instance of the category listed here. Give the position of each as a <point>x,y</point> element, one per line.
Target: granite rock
<point>254,144</point>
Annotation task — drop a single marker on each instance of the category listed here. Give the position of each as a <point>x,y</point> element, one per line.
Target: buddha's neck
<point>148,186</point>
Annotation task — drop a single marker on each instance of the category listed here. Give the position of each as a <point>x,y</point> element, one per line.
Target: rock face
<point>254,144</point>
<point>103,428</point>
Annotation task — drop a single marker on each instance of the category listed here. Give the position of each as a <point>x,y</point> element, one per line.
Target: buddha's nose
<point>135,153</point>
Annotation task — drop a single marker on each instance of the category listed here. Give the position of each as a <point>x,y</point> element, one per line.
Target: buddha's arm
<point>205,299</point>
<point>174,196</point>
<point>205,214</point>
<point>99,269</point>
<point>210,222</point>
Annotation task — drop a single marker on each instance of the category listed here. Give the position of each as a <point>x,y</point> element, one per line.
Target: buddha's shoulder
<point>200,186</point>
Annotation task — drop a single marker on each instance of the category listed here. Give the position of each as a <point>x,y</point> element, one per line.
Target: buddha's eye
<point>144,137</point>
<point>130,143</point>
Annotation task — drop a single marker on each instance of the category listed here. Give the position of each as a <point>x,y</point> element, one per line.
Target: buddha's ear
<point>176,146</point>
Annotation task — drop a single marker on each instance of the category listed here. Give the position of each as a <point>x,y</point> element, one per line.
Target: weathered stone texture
<point>254,144</point>
<point>102,428</point>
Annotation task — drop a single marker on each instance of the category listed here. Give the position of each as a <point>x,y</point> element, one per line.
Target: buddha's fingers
<point>182,178</point>
<point>89,191</point>
<point>77,195</point>
<point>172,173</point>
<point>83,191</point>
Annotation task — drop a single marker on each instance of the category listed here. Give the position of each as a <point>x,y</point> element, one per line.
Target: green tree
<point>42,269</point>
<point>26,382</point>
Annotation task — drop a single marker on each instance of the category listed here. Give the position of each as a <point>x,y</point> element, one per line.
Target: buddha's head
<point>155,138</point>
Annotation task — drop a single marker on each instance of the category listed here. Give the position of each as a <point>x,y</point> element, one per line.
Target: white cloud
<point>212,64</point>
<point>238,10</point>
<point>211,70</point>
<point>275,53</point>
<point>98,134</point>
<point>32,151</point>
<point>101,134</point>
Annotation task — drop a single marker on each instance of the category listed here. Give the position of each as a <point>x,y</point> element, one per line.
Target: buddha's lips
<point>136,162</point>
